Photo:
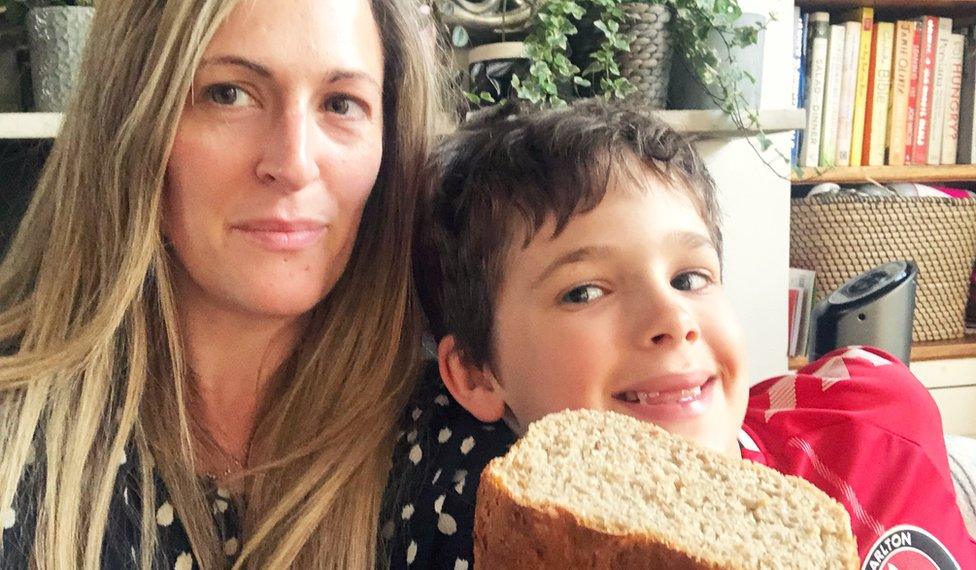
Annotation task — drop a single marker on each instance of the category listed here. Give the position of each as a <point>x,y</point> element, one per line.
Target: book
<point>792,320</point>
<point>939,90</point>
<point>950,133</point>
<point>831,106</point>
<point>923,93</point>
<point>802,279</point>
<point>818,24</point>
<point>900,81</point>
<point>879,91</point>
<point>966,151</point>
<point>798,43</point>
<point>848,84</point>
<point>912,110</point>
<point>866,18</point>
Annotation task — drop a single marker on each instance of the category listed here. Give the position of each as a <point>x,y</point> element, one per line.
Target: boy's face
<point>623,311</point>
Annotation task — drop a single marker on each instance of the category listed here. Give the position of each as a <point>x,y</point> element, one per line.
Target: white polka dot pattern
<point>164,514</point>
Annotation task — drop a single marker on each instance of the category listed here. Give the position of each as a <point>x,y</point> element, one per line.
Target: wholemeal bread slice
<point>586,489</point>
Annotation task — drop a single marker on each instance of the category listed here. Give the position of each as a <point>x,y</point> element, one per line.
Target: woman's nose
<point>289,159</point>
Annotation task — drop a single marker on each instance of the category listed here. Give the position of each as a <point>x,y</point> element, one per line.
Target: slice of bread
<point>586,489</point>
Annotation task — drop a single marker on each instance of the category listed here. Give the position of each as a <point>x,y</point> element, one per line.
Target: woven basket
<point>648,63</point>
<point>843,237</point>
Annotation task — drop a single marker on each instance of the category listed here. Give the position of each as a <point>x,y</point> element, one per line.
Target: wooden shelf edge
<point>30,125</point>
<point>858,174</point>
<point>932,350</point>
<point>938,7</point>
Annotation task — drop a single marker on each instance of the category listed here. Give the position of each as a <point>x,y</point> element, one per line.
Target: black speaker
<point>876,308</point>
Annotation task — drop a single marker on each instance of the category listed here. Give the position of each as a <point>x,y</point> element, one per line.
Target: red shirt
<point>858,425</point>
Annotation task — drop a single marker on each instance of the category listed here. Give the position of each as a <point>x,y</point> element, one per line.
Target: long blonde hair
<point>94,361</point>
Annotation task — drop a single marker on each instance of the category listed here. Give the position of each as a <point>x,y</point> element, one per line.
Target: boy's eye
<point>344,105</point>
<point>691,281</point>
<point>583,294</point>
<point>227,94</point>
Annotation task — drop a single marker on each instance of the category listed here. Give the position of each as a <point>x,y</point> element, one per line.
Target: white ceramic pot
<point>56,37</point>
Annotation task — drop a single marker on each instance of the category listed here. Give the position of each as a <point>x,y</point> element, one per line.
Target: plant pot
<point>56,36</point>
<point>491,67</point>
<point>687,91</point>
<point>648,63</point>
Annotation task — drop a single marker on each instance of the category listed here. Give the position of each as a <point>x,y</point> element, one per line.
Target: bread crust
<point>508,535</point>
<point>512,536</point>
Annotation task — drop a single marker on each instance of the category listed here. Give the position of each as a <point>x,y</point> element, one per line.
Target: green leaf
<point>459,37</point>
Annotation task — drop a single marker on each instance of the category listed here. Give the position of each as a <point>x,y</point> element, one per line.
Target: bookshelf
<point>896,8</point>
<point>946,368</point>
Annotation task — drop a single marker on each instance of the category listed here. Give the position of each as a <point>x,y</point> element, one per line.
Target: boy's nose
<point>671,324</point>
<point>288,161</point>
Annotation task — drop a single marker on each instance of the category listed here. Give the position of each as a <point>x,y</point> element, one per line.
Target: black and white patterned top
<point>121,547</point>
<point>437,465</point>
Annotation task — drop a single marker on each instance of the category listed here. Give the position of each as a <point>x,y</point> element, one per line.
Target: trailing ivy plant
<point>552,76</point>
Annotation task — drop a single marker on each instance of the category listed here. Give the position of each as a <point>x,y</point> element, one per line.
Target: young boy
<point>572,259</point>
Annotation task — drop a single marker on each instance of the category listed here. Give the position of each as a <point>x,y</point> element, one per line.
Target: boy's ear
<point>471,386</point>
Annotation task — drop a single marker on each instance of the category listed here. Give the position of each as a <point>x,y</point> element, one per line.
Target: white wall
<point>756,205</point>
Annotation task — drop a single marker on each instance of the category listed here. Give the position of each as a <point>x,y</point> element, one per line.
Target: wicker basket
<point>840,237</point>
<point>648,63</point>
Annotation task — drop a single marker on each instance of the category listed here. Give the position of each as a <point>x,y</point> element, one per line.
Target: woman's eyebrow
<point>333,77</point>
<point>238,61</point>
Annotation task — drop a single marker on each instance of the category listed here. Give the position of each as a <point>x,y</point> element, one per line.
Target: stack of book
<point>799,309</point>
<point>884,93</point>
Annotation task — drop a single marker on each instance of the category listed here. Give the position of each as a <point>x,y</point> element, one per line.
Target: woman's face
<point>277,149</point>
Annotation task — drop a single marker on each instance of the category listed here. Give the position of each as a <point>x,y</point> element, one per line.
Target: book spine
<point>939,90</point>
<point>950,134</point>
<point>900,82</point>
<point>861,91</point>
<point>923,96</point>
<point>819,23</point>
<point>874,141</point>
<point>911,113</point>
<point>797,79</point>
<point>967,102</point>
<point>831,107</point>
<point>845,120</point>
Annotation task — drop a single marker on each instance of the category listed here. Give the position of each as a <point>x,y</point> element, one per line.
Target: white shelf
<point>709,124</point>
<point>29,125</point>
<point>715,124</point>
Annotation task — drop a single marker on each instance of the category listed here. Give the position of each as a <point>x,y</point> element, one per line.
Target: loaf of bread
<point>586,489</point>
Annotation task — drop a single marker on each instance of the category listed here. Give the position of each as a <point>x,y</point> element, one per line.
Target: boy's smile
<point>623,311</point>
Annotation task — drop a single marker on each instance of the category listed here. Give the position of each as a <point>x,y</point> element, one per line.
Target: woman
<point>207,321</point>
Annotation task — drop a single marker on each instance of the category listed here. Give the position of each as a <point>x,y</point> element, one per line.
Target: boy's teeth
<point>678,396</point>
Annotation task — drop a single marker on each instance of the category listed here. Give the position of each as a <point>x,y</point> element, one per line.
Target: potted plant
<point>486,37</point>
<point>619,48</point>
<point>56,34</point>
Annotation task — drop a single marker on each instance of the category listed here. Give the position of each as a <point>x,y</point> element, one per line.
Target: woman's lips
<point>282,235</point>
<point>671,405</point>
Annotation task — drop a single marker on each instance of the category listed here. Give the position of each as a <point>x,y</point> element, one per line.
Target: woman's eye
<point>343,105</point>
<point>691,281</point>
<point>583,294</point>
<point>226,94</point>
